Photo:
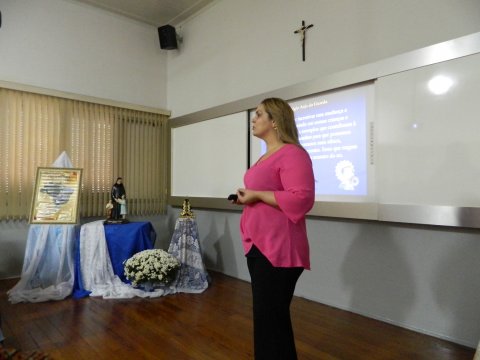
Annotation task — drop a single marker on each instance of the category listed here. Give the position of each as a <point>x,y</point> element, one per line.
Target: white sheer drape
<point>48,265</point>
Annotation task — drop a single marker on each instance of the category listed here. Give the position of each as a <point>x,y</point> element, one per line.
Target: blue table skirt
<point>123,241</point>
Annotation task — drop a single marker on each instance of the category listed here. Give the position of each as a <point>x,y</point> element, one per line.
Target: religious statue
<point>109,209</point>
<point>186,210</point>
<point>118,199</point>
<point>123,207</point>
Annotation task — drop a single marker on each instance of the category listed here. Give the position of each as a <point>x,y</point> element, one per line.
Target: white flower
<point>150,265</point>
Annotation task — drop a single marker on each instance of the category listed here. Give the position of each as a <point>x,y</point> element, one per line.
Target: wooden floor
<point>213,325</point>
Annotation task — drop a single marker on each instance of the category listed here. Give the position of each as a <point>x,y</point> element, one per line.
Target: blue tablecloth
<point>123,241</point>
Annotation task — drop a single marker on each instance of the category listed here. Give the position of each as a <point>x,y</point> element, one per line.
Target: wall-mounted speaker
<point>168,37</point>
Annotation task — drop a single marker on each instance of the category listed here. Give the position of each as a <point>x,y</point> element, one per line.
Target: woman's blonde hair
<point>279,111</point>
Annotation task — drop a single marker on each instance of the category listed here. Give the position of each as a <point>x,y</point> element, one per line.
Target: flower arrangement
<point>155,266</point>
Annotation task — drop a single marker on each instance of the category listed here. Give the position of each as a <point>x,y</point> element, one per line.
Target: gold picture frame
<point>56,196</point>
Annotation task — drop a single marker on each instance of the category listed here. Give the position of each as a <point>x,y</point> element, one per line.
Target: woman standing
<point>279,191</point>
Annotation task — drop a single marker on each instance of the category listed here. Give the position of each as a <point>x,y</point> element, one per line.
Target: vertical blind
<point>105,141</point>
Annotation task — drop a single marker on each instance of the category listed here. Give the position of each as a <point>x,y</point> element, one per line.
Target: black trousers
<point>272,292</point>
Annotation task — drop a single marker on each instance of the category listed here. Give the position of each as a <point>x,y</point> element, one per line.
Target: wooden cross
<point>302,31</point>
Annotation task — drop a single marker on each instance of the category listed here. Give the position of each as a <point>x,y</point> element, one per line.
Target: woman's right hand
<point>247,196</point>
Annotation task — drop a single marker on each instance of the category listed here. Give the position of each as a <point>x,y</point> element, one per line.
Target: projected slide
<point>333,129</point>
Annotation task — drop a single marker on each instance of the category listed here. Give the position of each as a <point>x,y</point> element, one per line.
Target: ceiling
<point>153,12</point>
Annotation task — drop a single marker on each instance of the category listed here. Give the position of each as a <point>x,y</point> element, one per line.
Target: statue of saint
<point>109,209</point>
<point>123,207</point>
<point>119,200</point>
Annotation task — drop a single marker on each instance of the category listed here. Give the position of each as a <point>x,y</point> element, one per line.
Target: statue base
<point>115,221</point>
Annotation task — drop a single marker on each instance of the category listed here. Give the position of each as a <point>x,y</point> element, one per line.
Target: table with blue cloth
<point>123,241</point>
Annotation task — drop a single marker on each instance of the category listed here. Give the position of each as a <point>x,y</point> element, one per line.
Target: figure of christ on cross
<point>302,31</point>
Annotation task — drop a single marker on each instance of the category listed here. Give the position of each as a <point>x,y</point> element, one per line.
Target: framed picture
<point>56,196</point>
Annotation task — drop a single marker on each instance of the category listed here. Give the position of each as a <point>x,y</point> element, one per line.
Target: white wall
<point>237,49</point>
<point>422,278</point>
<point>68,46</point>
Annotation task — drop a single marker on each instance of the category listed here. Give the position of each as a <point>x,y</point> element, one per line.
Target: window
<point>105,141</point>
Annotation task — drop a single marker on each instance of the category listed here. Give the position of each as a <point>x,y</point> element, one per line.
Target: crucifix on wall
<point>302,31</point>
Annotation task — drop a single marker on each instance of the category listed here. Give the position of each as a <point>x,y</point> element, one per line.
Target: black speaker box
<point>168,37</point>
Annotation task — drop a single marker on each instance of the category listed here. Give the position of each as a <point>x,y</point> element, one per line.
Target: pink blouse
<point>280,233</point>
